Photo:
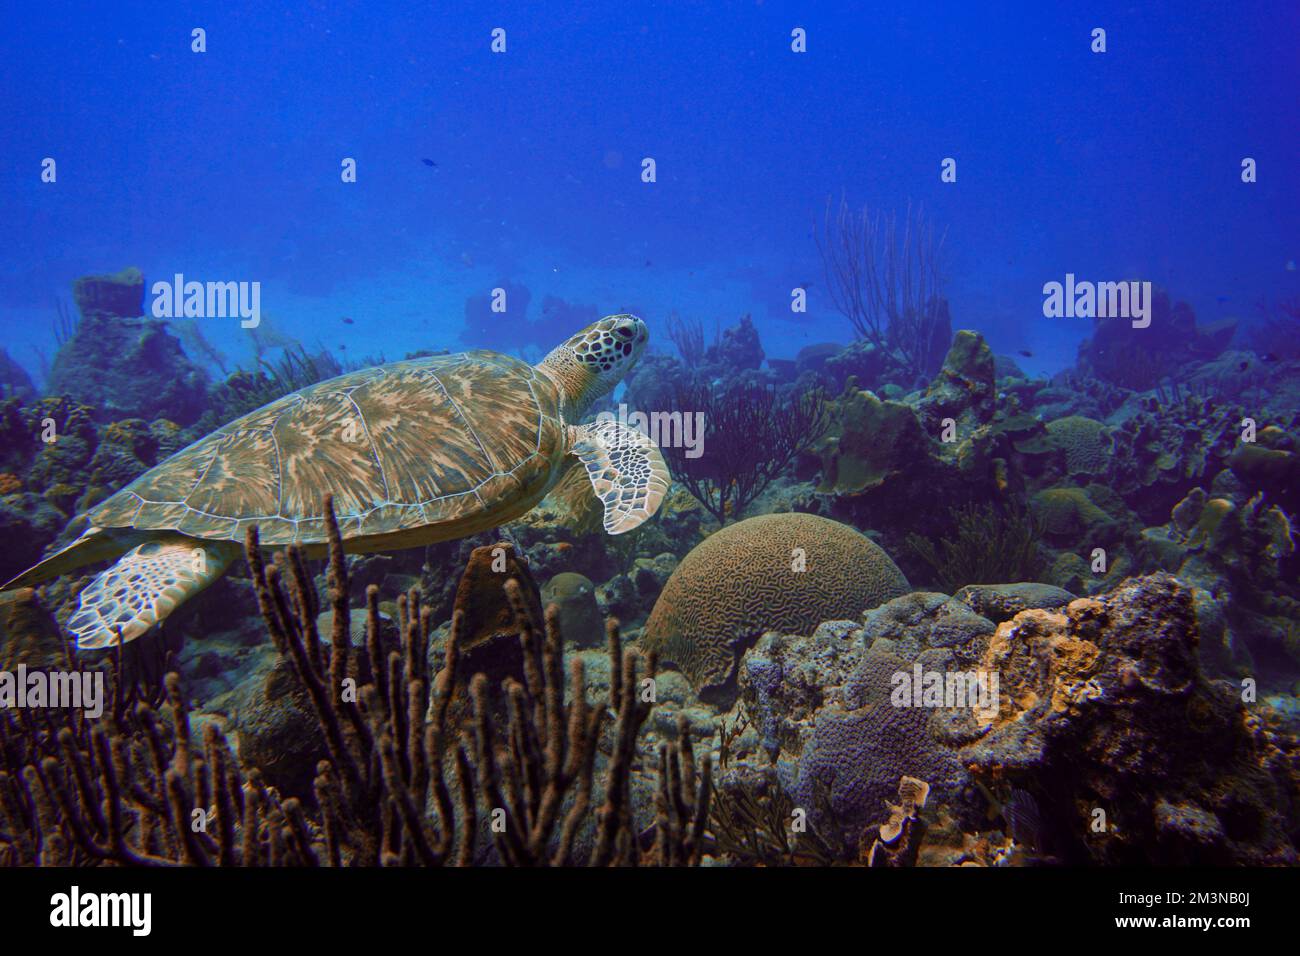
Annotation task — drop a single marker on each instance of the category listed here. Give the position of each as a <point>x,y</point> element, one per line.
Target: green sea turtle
<point>413,452</point>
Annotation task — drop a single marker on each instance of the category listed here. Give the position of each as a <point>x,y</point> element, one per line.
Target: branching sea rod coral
<point>547,754</point>
<point>888,287</point>
<point>404,778</point>
<point>752,437</point>
<point>688,335</point>
<point>988,546</point>
<point>133,789</point>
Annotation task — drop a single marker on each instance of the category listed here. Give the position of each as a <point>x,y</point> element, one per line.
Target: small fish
<point>430,163</point>
<point>1026,353</point>
<point>1290,265</point>
<point>1268,357</point>
<point>1243,366</point>
<point>347,321</point>
<point>343,348</point>
<point>1023,819</point>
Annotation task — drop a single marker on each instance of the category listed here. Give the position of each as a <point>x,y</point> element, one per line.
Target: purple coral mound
<point>823,710</point>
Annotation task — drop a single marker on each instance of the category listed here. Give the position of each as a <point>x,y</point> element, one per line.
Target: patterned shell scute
<point>426,441</point>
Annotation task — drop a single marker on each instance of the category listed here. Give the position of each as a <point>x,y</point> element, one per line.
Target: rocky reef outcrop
<point>965,390</point>
<point>1139,358</point>
<point>123,364</point>
<point>1137,756</point>
<point>1102,719</point>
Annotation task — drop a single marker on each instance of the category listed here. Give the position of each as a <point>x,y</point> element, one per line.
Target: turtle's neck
<point>578,387</point>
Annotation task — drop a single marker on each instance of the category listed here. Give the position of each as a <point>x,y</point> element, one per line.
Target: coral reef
<point>738,347</point>
<point>1106,743</point>
<point>1164,449</point>
<point>1139,358</point>
<point>61,463</point>
<point>1270,464</point>
<point>871,366</point>
<point>1237,555</point>
<point>14,380</point>
<point>965,388</point>
<point>475,718</point>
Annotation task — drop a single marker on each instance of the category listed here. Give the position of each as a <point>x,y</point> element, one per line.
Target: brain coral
<point>1066,513</point>
<point>747,578</point>
<point>1084,441</point>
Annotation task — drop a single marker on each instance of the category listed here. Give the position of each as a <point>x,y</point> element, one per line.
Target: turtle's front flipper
<point>627,472</point>
<point>145,585</point>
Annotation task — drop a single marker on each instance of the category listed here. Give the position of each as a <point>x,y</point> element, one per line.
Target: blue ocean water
<point>523,169</point>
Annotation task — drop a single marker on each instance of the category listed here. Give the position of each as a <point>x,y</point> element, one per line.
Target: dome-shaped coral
<point>1066,513</point>
<point>1085,443</point>
<point>782,572</point>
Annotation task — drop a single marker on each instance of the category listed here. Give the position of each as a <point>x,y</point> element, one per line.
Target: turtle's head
<point>589,364</point>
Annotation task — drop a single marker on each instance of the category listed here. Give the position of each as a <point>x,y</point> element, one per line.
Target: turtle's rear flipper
<point>145,585</point>
<point>97,544</point>
<point>626,470</point>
